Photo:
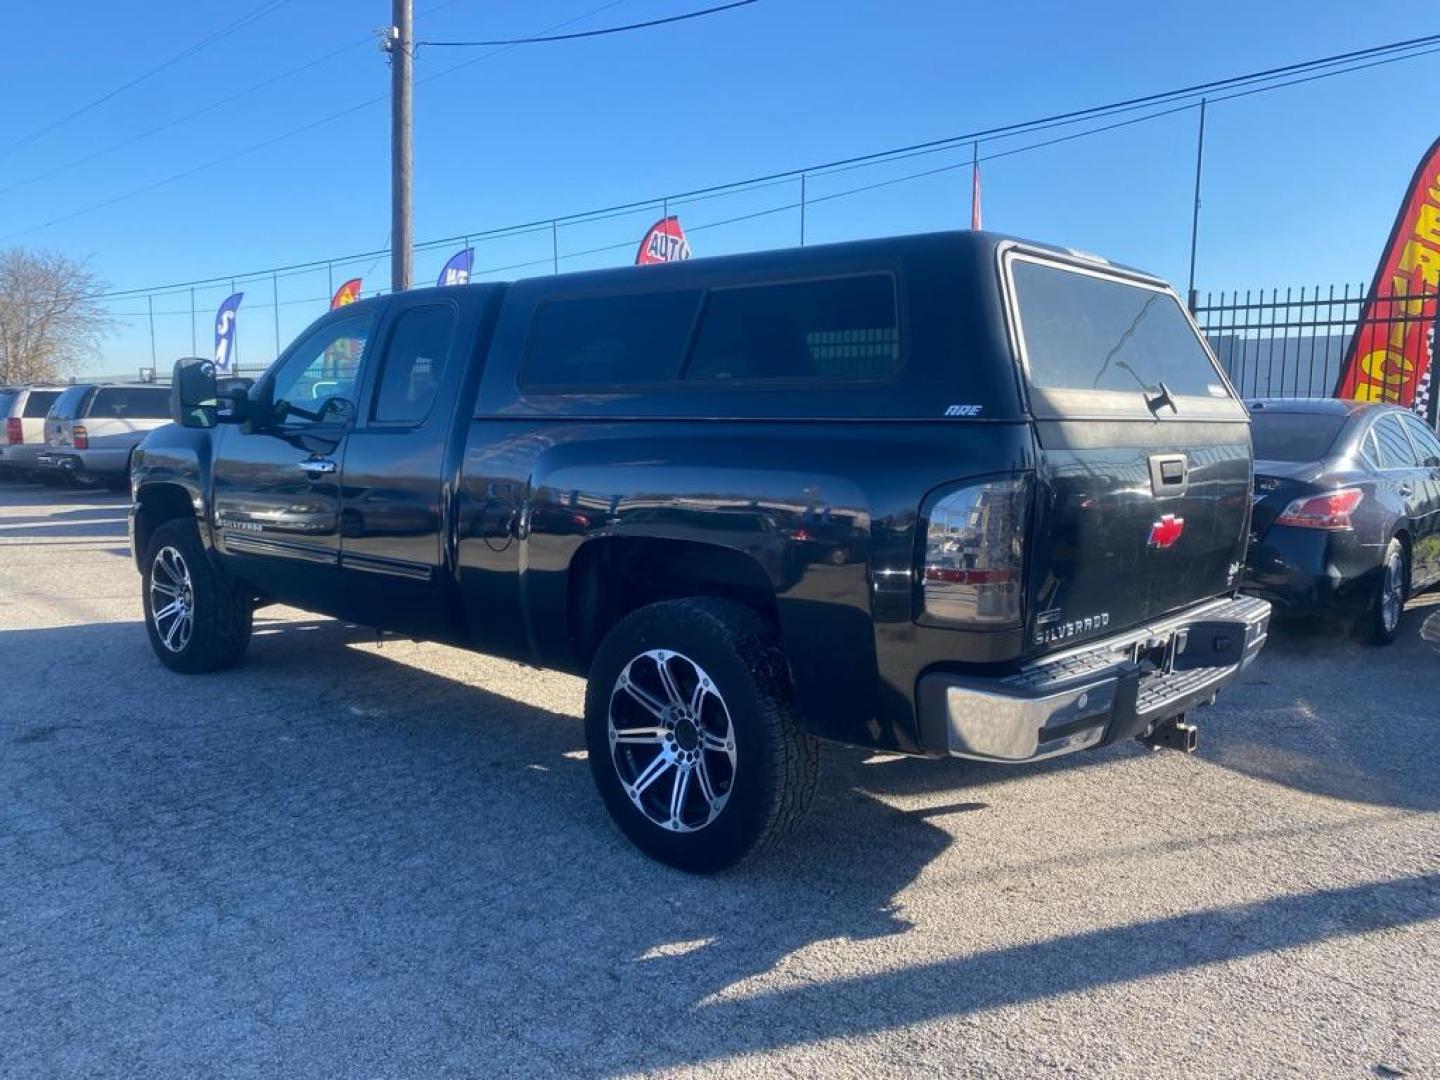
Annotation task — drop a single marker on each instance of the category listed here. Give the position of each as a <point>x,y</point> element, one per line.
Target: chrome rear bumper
<point>1118,688</point>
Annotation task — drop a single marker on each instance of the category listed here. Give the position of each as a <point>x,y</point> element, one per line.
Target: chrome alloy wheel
<point>172,599</point>
<point>1392,592</point>
<point>671,740</point>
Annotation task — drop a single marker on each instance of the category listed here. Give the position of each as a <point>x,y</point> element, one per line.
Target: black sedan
<point>1346,516</point>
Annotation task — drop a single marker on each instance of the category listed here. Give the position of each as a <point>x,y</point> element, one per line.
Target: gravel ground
<point>386,859</point>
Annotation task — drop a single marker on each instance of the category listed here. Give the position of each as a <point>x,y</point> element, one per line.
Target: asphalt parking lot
<point>362,858</point>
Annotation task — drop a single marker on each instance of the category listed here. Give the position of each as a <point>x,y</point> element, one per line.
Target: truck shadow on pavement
<point>1361,729</point>
<point>96,523</point>
<point>332,860</point>
<point>1361,726</point>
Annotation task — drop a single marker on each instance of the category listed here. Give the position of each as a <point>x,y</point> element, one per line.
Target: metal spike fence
<point>1293,342</point>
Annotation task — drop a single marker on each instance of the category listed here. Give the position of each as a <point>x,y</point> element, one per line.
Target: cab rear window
<point>1086,332</point>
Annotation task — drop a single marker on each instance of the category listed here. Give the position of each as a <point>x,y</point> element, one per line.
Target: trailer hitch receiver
<point>1172,734</point>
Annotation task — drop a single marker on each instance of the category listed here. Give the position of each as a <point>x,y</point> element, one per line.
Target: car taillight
<point>79,437</point>
<point>1329,511</point>
<point>974,553</point>
<point>14,433</point>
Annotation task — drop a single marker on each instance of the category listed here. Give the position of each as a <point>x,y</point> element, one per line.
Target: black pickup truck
<point>946,494</point>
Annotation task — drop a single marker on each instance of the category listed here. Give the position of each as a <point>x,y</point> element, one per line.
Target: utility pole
<point>1195,213</point>
<point>401,45</point>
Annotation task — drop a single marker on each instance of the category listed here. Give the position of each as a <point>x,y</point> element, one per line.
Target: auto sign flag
<point>225,334</point>
<point>457,270</point>
<point>664,242</point>
<point>1390,351</point>
<point>346,294</point>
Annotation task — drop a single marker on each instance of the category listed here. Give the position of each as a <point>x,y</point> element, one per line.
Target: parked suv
<point>23,410</point>
<point>950,494</point>
<point>92,430</point>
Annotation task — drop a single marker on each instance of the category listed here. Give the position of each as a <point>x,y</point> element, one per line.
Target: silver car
<point>22,411</point>
<point>92,430</point>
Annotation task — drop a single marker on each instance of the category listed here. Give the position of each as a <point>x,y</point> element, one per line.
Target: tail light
<point>14,433</point>
<point>79,437</point>
<point>1329,511</point>
<point>975,552</point>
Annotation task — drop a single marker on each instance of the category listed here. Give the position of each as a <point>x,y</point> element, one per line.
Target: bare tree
<point>50,317</point>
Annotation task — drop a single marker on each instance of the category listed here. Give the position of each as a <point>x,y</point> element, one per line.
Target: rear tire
<point>1380,624</point>
<point>197,620</point>
<point>693,733</point>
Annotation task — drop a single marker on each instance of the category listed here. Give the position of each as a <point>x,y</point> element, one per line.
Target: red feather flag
<point>346,294</point>
<point>663,242</point>
<point>1389,355</point>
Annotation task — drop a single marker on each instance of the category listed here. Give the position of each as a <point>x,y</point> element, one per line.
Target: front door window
<point>317,383</point>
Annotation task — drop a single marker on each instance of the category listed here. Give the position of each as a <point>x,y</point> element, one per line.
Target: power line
<point>263,144</point>
<point>704,226</point>
<point>230,28</point>
<point>594,33</point>
<point>1095,110</point>
<point>814,200</point>
<point>112,147</point>
<point>1338,59</point>
<point>629,244</point>
<point>443,72</point>
<point>368,39</point>
<point>1322,67</point>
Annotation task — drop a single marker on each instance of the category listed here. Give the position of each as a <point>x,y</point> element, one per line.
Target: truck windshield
<point>1295,436</point>
<point>1086,332</point>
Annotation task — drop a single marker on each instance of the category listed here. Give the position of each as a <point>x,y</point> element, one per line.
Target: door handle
<point>317,466</point>
<point>1406,491</point>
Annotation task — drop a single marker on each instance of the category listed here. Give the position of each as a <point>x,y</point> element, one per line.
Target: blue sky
<point>1300,185</point>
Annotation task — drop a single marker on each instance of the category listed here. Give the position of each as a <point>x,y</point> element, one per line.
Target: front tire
<point>693,733</point>
<point>197,621</point>
<point>1381,622</point>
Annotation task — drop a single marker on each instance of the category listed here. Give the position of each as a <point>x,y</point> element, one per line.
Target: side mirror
<point>193,395</point>
<point>234,396</point>
<point>230,384</point>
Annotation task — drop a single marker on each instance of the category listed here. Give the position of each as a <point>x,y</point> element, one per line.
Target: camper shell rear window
<point>1097,333</point>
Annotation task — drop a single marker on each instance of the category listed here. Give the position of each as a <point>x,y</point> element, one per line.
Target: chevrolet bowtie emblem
<point>1166,531</point>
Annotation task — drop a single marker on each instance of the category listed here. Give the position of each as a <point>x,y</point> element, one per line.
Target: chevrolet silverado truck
<point>946,494</point>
